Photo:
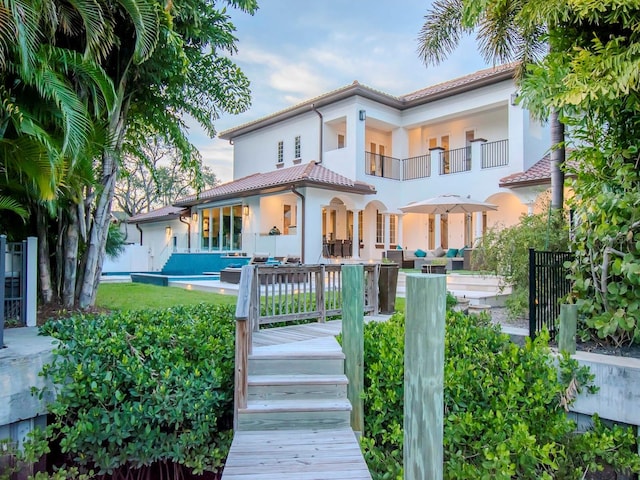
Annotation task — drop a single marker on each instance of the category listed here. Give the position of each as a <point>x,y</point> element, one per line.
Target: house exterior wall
<point>347,134</point>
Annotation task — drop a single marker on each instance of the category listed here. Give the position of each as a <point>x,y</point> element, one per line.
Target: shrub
<point>143,393</point>
<point>506,252</point>
<point>502,403</point>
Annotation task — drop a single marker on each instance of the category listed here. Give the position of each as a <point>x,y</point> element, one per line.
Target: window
<point>433,143</point>
<point>379,227</point>
<point>361,226</point>
<point>340,140</point>
<point>280,151</point>
<point>296,148</point>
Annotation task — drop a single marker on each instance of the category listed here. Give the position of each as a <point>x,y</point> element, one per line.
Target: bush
<point>503,407</point>
<point>506,252</point>
<point>142,393</point>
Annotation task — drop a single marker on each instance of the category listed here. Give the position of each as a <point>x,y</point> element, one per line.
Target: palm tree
<point>505,31</point>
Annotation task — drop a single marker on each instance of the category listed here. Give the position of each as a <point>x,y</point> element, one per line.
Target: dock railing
<point>282,293</point>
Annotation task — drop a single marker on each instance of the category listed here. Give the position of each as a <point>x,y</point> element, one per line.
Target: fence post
<point>30,293</point>
<point>353,339</point>
<point>244,327</point>
<point>424,376</point>
<point>568,328</point>
<point>3,257</point>
<point>532,294</point>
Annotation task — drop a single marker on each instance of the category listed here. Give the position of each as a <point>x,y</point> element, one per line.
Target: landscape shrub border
<point>504,408</point>
<point>141,393</point>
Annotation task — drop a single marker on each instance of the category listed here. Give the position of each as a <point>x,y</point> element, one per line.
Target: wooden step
<point>296,387</point>
<point>295,414</point>
<point>321,356</point>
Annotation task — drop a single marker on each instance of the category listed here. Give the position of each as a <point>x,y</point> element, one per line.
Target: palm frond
<point>97,80</point>
<point>52,85</point>
<point>441,32</point>
<point>145,18</point>
<point>11,205</point>
<point>24,22</point>
<point>94,27</point>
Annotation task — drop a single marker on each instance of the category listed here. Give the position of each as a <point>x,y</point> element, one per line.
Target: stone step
<point>295,414</point>
<point>296,387</point>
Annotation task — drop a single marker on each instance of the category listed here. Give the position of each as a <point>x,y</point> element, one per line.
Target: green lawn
<point>138,296</point>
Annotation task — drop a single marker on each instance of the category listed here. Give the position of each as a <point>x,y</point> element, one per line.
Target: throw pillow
<point>452,252</point>
<point>420,253</point>
<point>438,252</point>
<point>461,251</point>
<point>398,247</point>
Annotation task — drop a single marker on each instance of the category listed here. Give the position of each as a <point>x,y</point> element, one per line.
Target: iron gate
<point>13,284</point>
<point>548,284</point>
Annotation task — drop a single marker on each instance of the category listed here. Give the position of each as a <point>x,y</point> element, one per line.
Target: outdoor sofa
<point>407,259</point>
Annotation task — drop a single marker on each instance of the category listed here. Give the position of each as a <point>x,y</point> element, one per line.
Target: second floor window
<point>297,147</point>
<point>379,228</point>
<point>280,151</point>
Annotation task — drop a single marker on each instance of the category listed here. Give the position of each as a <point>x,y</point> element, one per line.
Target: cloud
<point>218,154</point>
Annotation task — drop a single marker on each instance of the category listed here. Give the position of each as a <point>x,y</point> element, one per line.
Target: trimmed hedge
<point>503,407</point>
<point>143,392</point>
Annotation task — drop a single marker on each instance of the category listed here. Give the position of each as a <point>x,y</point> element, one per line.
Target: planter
<point>387,284</point>
<point>430,268</point>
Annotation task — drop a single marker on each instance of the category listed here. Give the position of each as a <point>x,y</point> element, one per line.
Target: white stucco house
<point>331,173</point>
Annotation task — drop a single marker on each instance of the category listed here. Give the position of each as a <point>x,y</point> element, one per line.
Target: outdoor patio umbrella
<point>448,204</point>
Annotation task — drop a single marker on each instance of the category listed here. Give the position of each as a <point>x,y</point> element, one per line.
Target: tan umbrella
<point>448,203</point>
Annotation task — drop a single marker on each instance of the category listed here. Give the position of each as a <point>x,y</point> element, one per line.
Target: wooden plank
<point>353,339</point>
<point>424,376</point>
<point>296,455</point>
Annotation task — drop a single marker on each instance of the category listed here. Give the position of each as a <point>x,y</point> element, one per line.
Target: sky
<point>293,50</point>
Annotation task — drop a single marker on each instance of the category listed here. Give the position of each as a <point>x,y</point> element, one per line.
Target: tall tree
<point>187,72</point>
<point>158,181</point>
<point>505,31</point>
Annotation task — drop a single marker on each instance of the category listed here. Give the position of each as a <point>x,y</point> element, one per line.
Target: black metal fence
<point>548,284</point>
<point>13,284</point>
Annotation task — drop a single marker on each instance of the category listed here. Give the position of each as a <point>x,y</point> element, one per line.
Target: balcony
<point>491,154</point>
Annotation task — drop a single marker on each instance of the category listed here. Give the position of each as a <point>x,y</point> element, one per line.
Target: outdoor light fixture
<point>362,115</point>
<point>194,217</point>
<point>514,98</point>
<point>167,230</point>
<point>246,210</point>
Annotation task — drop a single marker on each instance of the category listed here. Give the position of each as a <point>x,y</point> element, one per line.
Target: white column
<point>437,235</point>
<point>385,217</point>
<point>530,208</point>
<point>478,222</point>
<point>355,247</point>
<point>31,300</point>
<point>400,231</point>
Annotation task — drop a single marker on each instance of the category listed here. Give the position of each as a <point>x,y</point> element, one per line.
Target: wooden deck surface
<point>302,454</point>
<point>296,333</point>
<point>296,455</point>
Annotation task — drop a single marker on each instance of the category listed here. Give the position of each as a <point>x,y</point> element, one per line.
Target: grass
<point>138,296</point>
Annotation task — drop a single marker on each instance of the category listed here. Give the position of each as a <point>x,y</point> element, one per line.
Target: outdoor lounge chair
<point>232,274</point>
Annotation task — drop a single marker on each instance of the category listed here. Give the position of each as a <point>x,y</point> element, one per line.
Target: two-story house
<point>331,173</point>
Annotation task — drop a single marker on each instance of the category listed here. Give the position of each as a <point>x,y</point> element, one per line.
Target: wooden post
<point>353,339</point>
<point>244,309</point>
<point>424,376</point>
<point>568,328</point>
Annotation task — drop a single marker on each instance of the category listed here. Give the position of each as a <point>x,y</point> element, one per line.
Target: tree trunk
<point>70,262</point>
<point>44,267</point>
<point>95,251</point>
<point>557,158</point>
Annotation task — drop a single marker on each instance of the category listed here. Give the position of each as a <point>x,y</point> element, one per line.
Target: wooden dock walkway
<point>296,424</point>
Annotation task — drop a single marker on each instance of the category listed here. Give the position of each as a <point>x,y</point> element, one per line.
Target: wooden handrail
<point>281,293</point>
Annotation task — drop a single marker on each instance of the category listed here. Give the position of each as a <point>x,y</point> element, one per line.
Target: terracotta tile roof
<point>458,83</point>
<point>419,97</point>
<point>168,212</point>
<point>310,174</point>
<point>538,174</point>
